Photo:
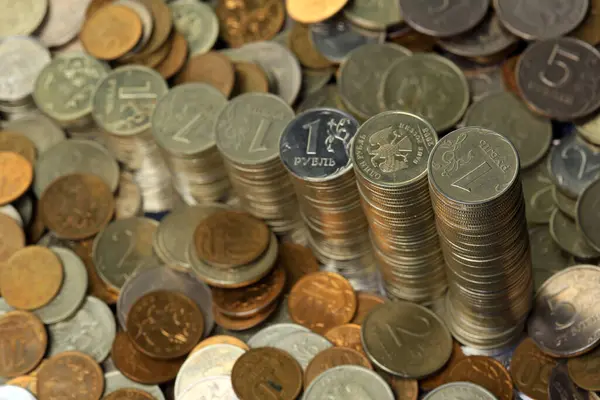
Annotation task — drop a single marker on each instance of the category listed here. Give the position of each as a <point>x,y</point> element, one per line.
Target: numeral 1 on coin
<point>313,133</point>
<point>465,181</point>
<point>259,137</point>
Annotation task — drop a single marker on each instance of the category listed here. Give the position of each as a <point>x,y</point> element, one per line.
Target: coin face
<point>331,358</point>
<point>390,327</point>
<point>453,390</point>
<point>176,57</point>
<point>583,370</point>
<point>63,22</point>
<point>38,128</point>
<point>300,44</point>
<point>347,336</point>
<point>163,25</point>
<point>441,377</point>
<point>538,192</point>
<point>221,339</point>
<point>547,258</point>
<point>214,386</point>
<point>574,164</point>
<point>17,143</point>
<point>327,96</point>
<point>303,346</point>
<point>561,386</point>
<point>17,174</point>
<point>569,237</point>
<point>376,15</point>
<point>22,60</point>
<point>556,78</point>
<point>197,22</point>
<point>124,101</point>
<point>269,371</point>
<point>129,394</point>
<point>12,237</point>
<point>310,12</point>
<point>250,21</point>
<point>249,77</point>
<point>21,18</point>
<point>272,334</point>
<point>366,302</point>
<point>536,20</point>
<point>212,68</point>
<point>562,305</point>
<point>486,372</point>
<point>116,381</point>
<point>68,373</point>
<point>337,382</point>
<point>588,216</point>
<point>408,85</point>
<point>23,344</point>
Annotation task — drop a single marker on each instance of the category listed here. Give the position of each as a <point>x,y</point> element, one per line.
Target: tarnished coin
<point>63,21</point>
<point>248,22</point>
<point>565,233</point>
<point>38,128</point>
<point>485,372</point>
<point>310,12</point>
<point>17,175</point>
<point>212,68</point>
<point>557,77</point>
<point>129,394</point>
<point>12,392</point>
<point>128,199</point>
<point>249,78</point>
<point>163,25</point>
<point>376,15</point>
<point>538,191</point>
<point>443,19</point>
<point>299,42</point>
<point>561,386</point>
<point>18,143</point>
<point>484,81</point>
<point>366,302</point>
<point>457,389</point>
<point>347,335</point>
<point>23,343</point>
<point>584,370</point>
<point>115,381</point>
<point>326,97</point>
<point>297,261</point>
<point>314,80</point>
<point>175,59</point>
<point>505,114</point>
<point>337,382</point>
<point>535,20</point>
<point>220,339</point>
<point>21,18</point>
<point>70,373</point>
<point>217,387</point>
<point>273,334</point>
<point>563,306</point>
<point>588,29</point>
<point>588,214</point>
<point>12,238</point>
<point>22,60</point>
<point>96,286</point>
<point>395,334</point>
<point>197,22</point>
<point>440,377</point>
<point>565,203</point>
<point>267,370</point>
<point>428,85</point>
<point>547,258</point>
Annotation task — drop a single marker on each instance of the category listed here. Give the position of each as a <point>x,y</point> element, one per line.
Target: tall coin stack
<point>390,155</point>
<point>315,148</point>
<point>480,212</point>
<point>247,134</point>
<point>122,106</point>
<point>182,126</point>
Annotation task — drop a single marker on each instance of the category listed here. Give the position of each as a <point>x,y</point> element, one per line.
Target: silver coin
<point>348,382</point>
<point>303,346</point>
<point>63,21</point>
<point>547,258</point>
<point>460,390</point>
<point>9,392</point>
<point>269,336</point>
<point>21,60</point>
<point>376,15</point>
<point>41,130</point>
<point>21,17</point>
<point>484,81</point>
<point>327,96</point>
<point>214,360</point>
<point>565,320</point>
<point>561,387</point>
<point>197,22</point>
<point>147,19</point>
<point>148,280</point>
<point>75,156</point>
<point>212,388</point>
<point>115,380</point>
<point>11,211</point>
<point>280,65</point>
<point>314,80</point>
<point>91,331</point>
<point>4,307</point>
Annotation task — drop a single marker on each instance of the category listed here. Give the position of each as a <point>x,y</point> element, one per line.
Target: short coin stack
<point>480,213</point>
<point>390,154</point>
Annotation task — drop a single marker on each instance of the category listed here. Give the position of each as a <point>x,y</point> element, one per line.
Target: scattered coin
<point>12,238</point>
<point>71,373</point>
<point>560,386</point>
<point>485,372</point>
<point>378,15</point>
<point>243,323</point>
<point>26,382</point>
<point>17,143</point>
<point>220,339</point>
<point>335,383</point>
<point>22,18</point>
<point>547,258</point>
<point>331,358</point>
<point>441,377</point>
<point>588,29</point>
<point>273,334</point>
<point>589,129</point>
<point>129,394</point>
<point>115,381</point>
<point>41,130</point>
<point>583,370</point>
<point>96,286</point>
<point>309,12</point>
<point>299,42</point>
<point>587,213</point>
<point>249,22</point>
<point>347,335</point>
<point>453,390</point>
<point>198,24</point>
<point>249,78</point>
<point>175,59</point>
<point>216,386</point>
<point>23,343</point>
<point>17,175</point>
<point>303,346</point>
<point>15,393</point>
<point>212,68</point>
<point>566,234</point>
<point>297,261</point>
<point>63,22</point>
<point>538,191</point>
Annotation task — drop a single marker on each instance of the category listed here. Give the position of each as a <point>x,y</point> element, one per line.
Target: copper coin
<point>94,6</point>
<point>31,278</point>
<point>221,339</point>
<point>241,324</point>
<point>321,301</point>
<point>77,206</point>
<point>441,377</point>
<point>212,68</point>
<point>12,237</point>
<point>164,324</point>
<point>250,78</point>
<point>139,367</point>
<point>404,389</point>
<point>347,335</point>
<point>302,46</point>
<point>310,11</point>
<point>129,394</point>
<point>71,375</point>
<point>585,370</point>
<point>111,32</point>
<point>486,372</point>
<point>231,238</point>
<point>174,61</point>
<point>155,58</point>
<point>530,369</point>
<point>366,302</point>
<point>26,382</point>
<point>96,286</point>
<point>266,373</point>
<point>333,357</point>
<point>509,69</point>
<point>17,143</point>
<point>297,261</point>
<point>249,21</point>
<point>16,174</point>
<point>23,342</point>
<point>163,25</point>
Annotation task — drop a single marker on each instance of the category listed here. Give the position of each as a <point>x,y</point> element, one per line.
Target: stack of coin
<point>480,213</point>
<point>390,154</point>
<point>247,134</point>
<point>182,125</point>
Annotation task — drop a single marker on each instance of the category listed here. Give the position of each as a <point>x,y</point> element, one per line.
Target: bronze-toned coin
<point>139,367</point>
<point>245,22</point>
<point>17,143</point>
<point>366,302</point>
<point>347,335</point>
<point>310,12</point>
<point>588,214</point>
<point>266,372</point>
<point>441,377</point>
<point>16,174</point>
<point>509,76</point>
<point>231,238</point>
<point>562,387</point>
<point>221,339</point>
<point>584,370</point>
<point>31,278</point>
<point>486,372</point>
<point>301,45</point>
<point>155,58</point>
<point>176,57</point>
<point>404,389</point>
<point>321,301</point>
<point>530,369</point>
<point>23,342</point>
<point>26,382</point>
<point>70,375</point>
<point>129,394</point>
<point>77,206</point>
<point>12,237</point>
<point>163,25</point>
<point>164,324</point>
<point>589,29</point>
<point>297,261</point>
<point>241,324</point>
<point>111,32</point>
<point>249,78</point>
<point>94,6</point>
<point>212,68</point>
<point>250,300</point>
<point>333,357</point>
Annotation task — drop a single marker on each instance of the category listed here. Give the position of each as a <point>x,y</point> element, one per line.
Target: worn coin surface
<point>347,335</point>
<point>38,128</point>
<point>538,191</point>
<point>63,21</point>
<point>547,258</point>
<point>235,324</point>
<point>147,22</point>
<point>376,15</point>
<point>588,214</point>
<point>569,237</point>
<point>70,374</point>
<point>562,387</point>
<point>412,331</point>
<point>17,175</point>
<point>197,22</point>
<point>557,78</point>
<point>331,358</point>
<point>248,22</point>
<point>366,302</point>
<point>23,342</point>
<point>273,334</point>
<point>303,346</point>
<point>21,18</point>
<point>337,382</point>
<point>212,68</point>
<point>249,77</point>
<point>300,44</point>
<point>460,389</point>
<point>217,387</point>
<point>22,60</point>
<point>176,57</point>
<point>440,377</point>
<point>163,25</point>
<point>297,261</point>
<point>584,370</point>
<point>486,372</point>
<point>563,306</point>
<point>129,394</point>
<point>588,29</point>
<point>12,237</point>
<point>13,392</point>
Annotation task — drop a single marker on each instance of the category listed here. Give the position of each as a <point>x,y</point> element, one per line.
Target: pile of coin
<point>480,213</point>
<point>390,154</point>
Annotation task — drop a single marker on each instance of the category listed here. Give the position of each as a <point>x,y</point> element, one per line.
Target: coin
<point>337,382</point>
<point>303,346</point>
<point>41,130</point>
<point>249,77</point>
<point>63,21</point>
<point>176,57</point>
<point>299,42</point>
<point>550,72</point>
<point>366,302</point>
<point>220,339</point>
<point>243,323</point>
<point>571,291</point>
<point>538,191</point>
<point>393,323</point>
<point>331,358</point>
<point>453,390</point>
<point>486,372</point>
<point>129,394</point>
<point>561,386</point>
<point>583,370</point>
<point>17,174</point>
<point>22,18</point>
<point>273,334</point>
<point>269,371</point>
<point>147,23</point>
<point>249,22</point>
<point>569,170</point>
<point>297,261</point>
<point>212,68</point>
<point>310,12</point>
<point>441,377</point>
<point>23,59</point>
<point>23,343</point>
<point>139,367</point>
<point>116,381</point>
<point>96,286</point>
<point>163,25</point>
<point>565,233</point>
<point>26,382</point>
<point>374,15</point>
<point>532,20</point>
<point>12,238</point>
<point>158,317</point>
<point>16,393</point>
<point>588,29</point>
<point>547,258</point>
<point>17,143</point>
<point>197,22</point>
<point>588,128</point>
<point>68,373</point>
<point>347,336</point>
<point>587,214</point>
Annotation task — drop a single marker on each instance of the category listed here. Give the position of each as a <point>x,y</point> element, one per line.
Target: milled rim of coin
<point>29,18</point>
<point>589,203</point>
<point>377,385</point>
<point>460,387</point>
